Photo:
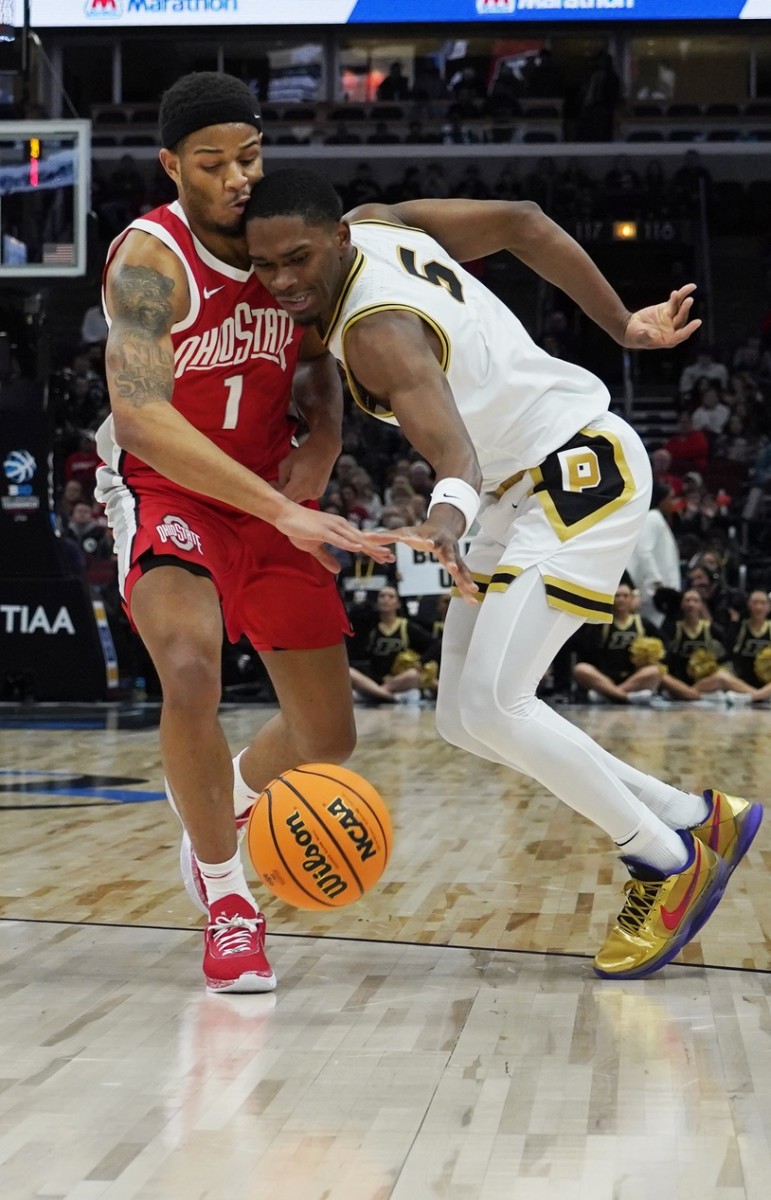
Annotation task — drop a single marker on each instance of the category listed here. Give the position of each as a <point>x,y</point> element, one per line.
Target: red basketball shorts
<point>278,596</point>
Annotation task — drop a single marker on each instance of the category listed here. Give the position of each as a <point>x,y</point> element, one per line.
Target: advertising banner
<point>29,544</point>
<point>282,13</point>
<point>54,646</point>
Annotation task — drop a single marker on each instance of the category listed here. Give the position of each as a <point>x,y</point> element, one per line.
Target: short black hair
<point>295,193</point>
<point>204,98</point>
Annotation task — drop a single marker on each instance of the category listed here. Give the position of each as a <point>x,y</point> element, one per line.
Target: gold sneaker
<point>730,827</point>
<point>661,913</point>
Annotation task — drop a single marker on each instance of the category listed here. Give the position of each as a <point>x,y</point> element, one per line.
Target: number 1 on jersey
<point>235,386</point>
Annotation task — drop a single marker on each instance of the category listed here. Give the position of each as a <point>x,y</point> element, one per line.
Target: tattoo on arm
<point>143,299</point>
<point>139,356</point>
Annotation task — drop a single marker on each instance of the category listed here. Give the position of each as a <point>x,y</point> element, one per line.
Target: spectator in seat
<point>90,531</point>
<point>697,659</point>
<point>688,448</point>
<point>396,85</point>
<point>747,356</point>
<point>543,80</point>
<point>81,464</point>
<point>752,648</point>
<point>393,652</point>
<point>661,462</point>
<point>688,179</point>
<point>704,367</point>
<point>725,605</point>
<point>73,493</point>
<point>619,661</point>
<point>600,100</point>
<point>712,413</point>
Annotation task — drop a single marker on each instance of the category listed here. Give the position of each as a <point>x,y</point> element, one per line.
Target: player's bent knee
<point>190,678</point>
<point>449,725</point>
<point>332,746</point>
<point>496,725</point>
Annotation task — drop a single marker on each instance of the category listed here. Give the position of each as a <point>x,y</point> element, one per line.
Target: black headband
<point>224,111</point>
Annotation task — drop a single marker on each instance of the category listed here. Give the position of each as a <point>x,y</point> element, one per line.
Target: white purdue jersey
<point>518,402</point>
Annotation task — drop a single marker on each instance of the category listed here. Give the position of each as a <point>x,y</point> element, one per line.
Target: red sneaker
<point>234,948</point>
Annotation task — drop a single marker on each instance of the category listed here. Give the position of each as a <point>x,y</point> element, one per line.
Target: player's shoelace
<point>231,934</point>
<point>640,898</point>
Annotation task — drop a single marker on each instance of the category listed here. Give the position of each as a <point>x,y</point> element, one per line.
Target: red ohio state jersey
<point>235,353</point>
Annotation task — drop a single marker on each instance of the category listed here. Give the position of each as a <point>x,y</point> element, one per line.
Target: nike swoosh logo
<point>672,917</point>
<point>209,292</point>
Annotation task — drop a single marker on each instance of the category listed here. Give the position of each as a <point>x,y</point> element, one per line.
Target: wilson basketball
<point>319,836</point>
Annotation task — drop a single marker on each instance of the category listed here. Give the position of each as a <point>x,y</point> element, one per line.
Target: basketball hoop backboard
<point>45,178</point>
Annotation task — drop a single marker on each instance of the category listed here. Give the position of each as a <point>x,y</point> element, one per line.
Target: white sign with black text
<point>421,574</point>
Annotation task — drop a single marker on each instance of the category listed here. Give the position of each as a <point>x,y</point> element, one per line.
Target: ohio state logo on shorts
<point>179,533</point>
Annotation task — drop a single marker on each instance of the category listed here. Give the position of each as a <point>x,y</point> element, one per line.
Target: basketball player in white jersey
<point>565,488</point>
<point>214,513</point>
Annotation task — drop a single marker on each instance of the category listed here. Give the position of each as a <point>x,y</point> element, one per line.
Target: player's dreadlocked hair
<point>295,193</point>
<point>201,99</point>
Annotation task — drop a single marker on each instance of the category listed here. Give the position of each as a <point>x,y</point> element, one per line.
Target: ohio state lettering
<point>179,533</point>
<point>249,333</point>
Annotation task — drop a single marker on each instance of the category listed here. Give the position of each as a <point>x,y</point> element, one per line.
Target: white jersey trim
<point>206,256</point>
<point>163,235</point>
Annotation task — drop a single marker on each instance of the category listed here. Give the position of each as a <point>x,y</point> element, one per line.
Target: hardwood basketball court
<point>444,1037</point>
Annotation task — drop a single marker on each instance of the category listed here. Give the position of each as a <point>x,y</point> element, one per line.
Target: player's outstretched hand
<point>432,539</point>
<point>313,531</point>
<point>662,325</point>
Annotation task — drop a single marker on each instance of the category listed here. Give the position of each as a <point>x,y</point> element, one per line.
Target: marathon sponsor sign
<point>111,14</point>
<point>421,574</point>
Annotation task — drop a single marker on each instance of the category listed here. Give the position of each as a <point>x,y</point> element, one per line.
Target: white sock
<point>677,809</point>
<point>226,879</point>
<point>243,796</point>
<point>656,845</point>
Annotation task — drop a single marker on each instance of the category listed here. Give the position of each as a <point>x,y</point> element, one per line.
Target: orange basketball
<point>319,836</point>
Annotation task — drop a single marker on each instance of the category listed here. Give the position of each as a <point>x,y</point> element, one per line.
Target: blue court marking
<point>119,795</point>
<point>13,723</point>
<point>38,774</point>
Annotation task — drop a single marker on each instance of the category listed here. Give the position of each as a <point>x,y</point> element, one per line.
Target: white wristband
<point>460,494</point>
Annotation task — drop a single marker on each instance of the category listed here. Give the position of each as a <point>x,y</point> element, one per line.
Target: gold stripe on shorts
<point>583,602</point>
<point>596,607</point>
<point>482,582</point>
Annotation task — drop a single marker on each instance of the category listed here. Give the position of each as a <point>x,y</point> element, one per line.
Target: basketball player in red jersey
<point>207,500</point>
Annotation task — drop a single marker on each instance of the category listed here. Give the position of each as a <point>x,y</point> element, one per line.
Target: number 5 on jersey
<point>432,272</point>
